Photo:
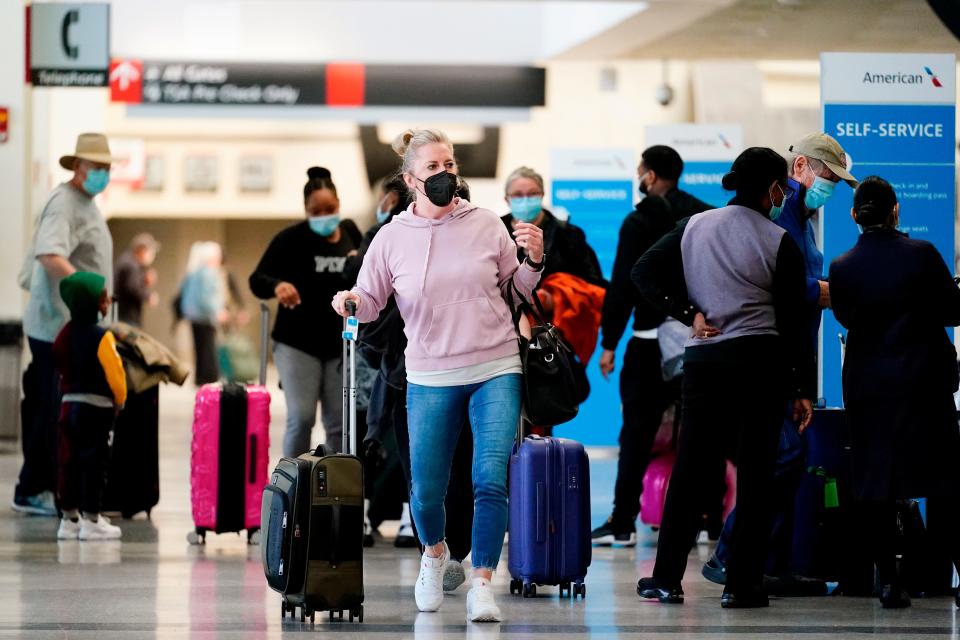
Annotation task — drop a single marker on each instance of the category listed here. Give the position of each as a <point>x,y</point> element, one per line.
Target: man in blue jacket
<point>817,164</point>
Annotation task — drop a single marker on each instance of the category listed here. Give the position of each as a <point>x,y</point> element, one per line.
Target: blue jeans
<point>435,416</point>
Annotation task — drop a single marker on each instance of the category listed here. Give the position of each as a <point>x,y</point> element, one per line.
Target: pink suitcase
<point>657,479</point>
<point>655,483</point>
<point>229,459</point>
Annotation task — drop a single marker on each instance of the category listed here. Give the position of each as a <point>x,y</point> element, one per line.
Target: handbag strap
<point>536,309</point>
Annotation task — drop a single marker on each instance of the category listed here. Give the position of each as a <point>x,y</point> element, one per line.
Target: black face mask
<point>644,187</point>
<point>440,188</point>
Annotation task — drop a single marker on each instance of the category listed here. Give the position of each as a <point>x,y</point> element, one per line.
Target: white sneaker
<point>453,576</point>
<point>98,530</point>
<point>69,529</point>
<point>481,606</point>
<point>429,588</point>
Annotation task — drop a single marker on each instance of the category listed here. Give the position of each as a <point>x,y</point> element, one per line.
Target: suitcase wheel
<point>312,616</point>
<point>331,615</point>
<point>303,614</point>
<point>283,610</point>
<point>516,586</point>
<point>566,589</point>
<point>529,590</point>
<point>197,537</point>
<point>253,536</point>
<point>580,589</point>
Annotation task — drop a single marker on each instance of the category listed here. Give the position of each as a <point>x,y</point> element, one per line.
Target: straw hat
<point>92,147</point>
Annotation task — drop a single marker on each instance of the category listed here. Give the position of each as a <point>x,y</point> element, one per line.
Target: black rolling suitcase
<point>312,519</point>
<point>133,471</point>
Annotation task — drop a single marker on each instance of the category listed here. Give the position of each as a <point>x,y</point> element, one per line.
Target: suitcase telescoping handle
<point>350,329</point>
<point>264,341</point>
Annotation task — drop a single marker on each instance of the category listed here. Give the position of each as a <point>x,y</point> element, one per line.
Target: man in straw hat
<point>816,164</point>
<point>71,235</point>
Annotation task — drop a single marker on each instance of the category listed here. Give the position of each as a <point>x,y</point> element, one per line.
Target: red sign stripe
<point>346,84</point>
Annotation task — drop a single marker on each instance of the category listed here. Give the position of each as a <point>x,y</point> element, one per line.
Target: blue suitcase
<point>549,516</point>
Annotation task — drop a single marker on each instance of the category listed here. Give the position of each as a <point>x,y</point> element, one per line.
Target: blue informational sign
<point>702,179</point>
<point>598,207</point>
<point>904,133</point>
<point>597,189</point>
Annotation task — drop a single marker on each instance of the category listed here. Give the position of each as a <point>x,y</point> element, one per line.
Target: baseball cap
<point>822,147</point>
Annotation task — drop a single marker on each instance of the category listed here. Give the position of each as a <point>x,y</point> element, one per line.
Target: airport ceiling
<point>769,29</point>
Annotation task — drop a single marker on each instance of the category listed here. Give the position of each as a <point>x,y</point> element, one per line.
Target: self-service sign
<point>895,116</point>
<point>69,44</point>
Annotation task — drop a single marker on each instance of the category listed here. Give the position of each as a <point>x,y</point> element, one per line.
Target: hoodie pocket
<point>462,327</point>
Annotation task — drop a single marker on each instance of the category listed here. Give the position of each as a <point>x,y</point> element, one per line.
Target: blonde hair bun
<point>402,142</point>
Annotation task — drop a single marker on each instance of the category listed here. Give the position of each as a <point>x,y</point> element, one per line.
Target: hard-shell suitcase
<point>656,480</point>
<point>230,454</point>
<point>133,471</point>
<point>549,516</point>
<point>312,514</point>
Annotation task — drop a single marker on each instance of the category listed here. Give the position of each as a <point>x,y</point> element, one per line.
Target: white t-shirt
<point>473,374</point>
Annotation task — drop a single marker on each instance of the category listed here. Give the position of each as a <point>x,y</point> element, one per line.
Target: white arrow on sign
<point>124,74</point>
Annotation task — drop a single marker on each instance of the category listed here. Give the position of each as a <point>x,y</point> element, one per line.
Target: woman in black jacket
<point>738,279</point>
<point>303,267</point>
<point>565,245</point>
<point>895,295</point>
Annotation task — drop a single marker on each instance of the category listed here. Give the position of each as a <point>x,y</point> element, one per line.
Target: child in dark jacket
<point>94,389</point>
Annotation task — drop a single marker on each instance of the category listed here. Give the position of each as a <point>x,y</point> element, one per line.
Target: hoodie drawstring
<point>426,262</point>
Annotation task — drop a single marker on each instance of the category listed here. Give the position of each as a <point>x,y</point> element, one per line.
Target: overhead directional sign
<point>335,84</point>
<point>69,44</point>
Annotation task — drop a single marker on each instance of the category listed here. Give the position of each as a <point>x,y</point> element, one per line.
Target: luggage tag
<point>831,498</point>
<point>352,329</point>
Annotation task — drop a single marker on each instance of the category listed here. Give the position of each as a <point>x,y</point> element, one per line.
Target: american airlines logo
<point>901,78</point>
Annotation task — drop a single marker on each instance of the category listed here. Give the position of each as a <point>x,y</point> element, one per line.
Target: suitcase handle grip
<point>264,341</point>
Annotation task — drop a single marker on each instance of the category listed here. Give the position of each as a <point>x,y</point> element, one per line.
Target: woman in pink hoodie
<point>450,266</point>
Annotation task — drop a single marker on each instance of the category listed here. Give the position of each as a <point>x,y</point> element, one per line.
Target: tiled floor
<point>154,585</point>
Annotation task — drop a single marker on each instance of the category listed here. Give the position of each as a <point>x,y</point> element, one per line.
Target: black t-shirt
<point>315,267</point>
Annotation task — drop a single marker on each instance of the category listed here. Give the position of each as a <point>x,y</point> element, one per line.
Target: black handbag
<point>550,393</point>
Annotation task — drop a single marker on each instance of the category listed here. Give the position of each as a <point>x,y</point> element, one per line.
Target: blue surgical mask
<point>776,210</point>
<point>818,193</point>
<point>526,209</point>
<point>324,225</point>
<point>383,216</point>
<point>97,180</point>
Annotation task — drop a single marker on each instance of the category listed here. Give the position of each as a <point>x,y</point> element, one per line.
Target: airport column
<point>14,156</point>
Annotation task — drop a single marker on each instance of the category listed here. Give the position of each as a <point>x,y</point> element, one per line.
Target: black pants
<point>459,500</point>
<point>207,368</point>
<point>735,410</point>
<point>83,451</point>
<point>39,413</point>
<point>644,396</point>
